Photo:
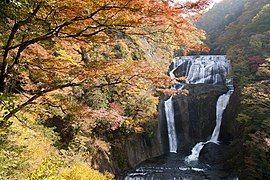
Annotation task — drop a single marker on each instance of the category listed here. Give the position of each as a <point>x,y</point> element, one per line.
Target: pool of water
<point>173,166</point>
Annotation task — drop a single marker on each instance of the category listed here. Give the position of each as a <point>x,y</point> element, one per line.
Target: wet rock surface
<point>195,115</point>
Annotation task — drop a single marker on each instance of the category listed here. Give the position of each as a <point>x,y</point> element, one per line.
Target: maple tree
<point>45,43</point>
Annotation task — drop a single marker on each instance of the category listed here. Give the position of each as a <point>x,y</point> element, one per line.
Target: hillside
<point>241,29</point>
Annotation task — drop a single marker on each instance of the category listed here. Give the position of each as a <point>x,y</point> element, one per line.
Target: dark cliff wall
<point>132,150</point>
<point>228,151</point>
<point>140,148</point>
<point>195,117</point>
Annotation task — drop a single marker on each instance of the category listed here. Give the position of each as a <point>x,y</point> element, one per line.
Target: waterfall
<point>197,69</point>
<point>211,70</point>
<point>169,111</point>
<point>201,69</point>
<point>171,125</point>
<point>222,103</point>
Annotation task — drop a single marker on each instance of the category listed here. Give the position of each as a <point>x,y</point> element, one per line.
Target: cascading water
<point>202,69</point>
<point>198,69</point>
<point>203,72</point>
<point>200,72</point>
<point>222,103</point>
<point>169,111</point>
<point>170,124</point>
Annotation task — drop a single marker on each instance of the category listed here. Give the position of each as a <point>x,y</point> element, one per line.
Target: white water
<point>195,152</point>
<point>203,69</point>
<point>222,103</point>
<point>169,111</point>
<point>171,125</point>
<point>198,69</point>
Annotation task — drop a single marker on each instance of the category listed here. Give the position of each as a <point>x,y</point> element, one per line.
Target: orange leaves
<point>37,51</point>
<point>91,43</point>
<point>112,116</point>
<point>84,19</point>
<point>138,130</point>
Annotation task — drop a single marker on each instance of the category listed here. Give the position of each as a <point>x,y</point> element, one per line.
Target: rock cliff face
<point>142,147</point>
<point>195,115</point>
<point>134,149</point>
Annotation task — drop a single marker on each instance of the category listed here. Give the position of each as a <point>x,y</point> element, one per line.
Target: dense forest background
<point>241,30</point>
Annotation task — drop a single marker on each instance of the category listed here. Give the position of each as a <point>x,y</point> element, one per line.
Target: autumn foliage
<point>94,65</point>
<point>242,32</point>
<point>50,45</point>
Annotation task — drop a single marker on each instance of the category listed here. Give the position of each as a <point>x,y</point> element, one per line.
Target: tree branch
<point>16,26</point>
<point>37,95</point>
<point>43,92</point>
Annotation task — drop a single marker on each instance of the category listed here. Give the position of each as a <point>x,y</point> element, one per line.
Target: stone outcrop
<point>132,150</point>
<point>142,147</point>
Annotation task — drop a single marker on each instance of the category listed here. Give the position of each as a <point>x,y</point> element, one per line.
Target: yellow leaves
<point>134,125</point>
<point>37,145</point>
<point>64,56</point>
<point>84,172</point>
<point>139,130</point>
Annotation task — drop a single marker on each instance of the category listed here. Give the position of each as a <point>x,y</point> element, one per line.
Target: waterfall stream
<point>169,111</point>
<point>190,114</point>
<point>222,103</point>
<point>171,125</point>
<point>197,69</point>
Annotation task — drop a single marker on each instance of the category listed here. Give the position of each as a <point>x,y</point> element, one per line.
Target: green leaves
<point>7,103</point>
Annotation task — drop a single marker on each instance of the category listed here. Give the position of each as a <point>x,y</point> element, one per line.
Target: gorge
<point>195,131</point>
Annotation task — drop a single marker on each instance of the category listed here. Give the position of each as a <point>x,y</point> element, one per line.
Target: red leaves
<point>254,63</point>
<point>110,115</point>
<point>116,107</point>
<point>48,45</point>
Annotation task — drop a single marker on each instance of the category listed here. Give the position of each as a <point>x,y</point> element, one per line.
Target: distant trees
<point>245,40</point>
<point>217,19</point>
